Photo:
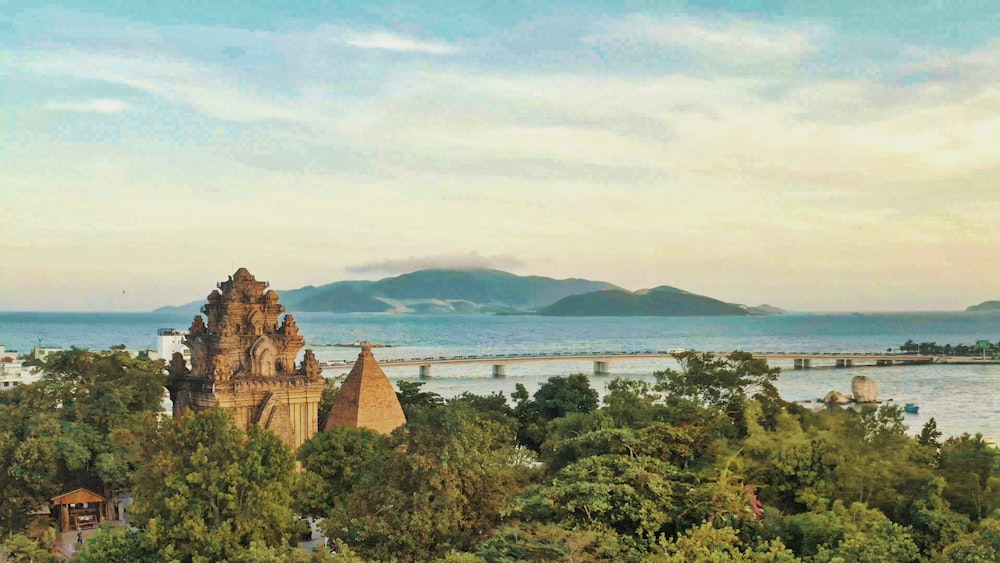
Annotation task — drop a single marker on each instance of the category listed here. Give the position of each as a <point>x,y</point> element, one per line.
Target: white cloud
<point>392,42</point>
<point>106,106</point>
<point>723,40</point>
<point>213,90</point>
<point>781,176</point>
<point>470,261</point>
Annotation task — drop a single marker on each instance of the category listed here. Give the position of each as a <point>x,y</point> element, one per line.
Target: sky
<point>813,155</point>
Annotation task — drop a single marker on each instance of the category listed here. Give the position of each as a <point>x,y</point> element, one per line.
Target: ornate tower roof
<point>245,336</point>
<point>243,360</point>
<point>367,399</point>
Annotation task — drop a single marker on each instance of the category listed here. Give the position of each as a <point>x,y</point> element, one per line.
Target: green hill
<point>486,287</point>
<point>985,306</point>
<point>431,291</point>
<point>339,299</point>
<point>659,302</point>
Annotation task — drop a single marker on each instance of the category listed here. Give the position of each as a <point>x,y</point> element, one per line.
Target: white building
<point>13,372</point>
<point>40,352</point>
<point>170,340</point>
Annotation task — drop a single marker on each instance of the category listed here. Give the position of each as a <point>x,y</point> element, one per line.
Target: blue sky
<point>813,155</point>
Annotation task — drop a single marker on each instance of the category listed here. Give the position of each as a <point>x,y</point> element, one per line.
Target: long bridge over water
<point>602,360</point>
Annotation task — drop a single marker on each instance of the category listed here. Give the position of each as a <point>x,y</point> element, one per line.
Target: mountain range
<point>494,291</point>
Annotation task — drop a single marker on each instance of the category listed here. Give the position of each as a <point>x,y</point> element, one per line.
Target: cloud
<point>212,89</point>
<point>721,40</point>
<point>470,261</point>
<point>105,106</point>
<point>391,42</point>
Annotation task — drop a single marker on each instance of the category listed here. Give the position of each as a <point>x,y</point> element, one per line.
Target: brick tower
<point>243,361</point>
<point>366,398</point>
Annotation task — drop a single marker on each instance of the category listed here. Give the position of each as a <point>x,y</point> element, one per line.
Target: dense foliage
<point>991,350</point>
<point>87,423</point>
<point>703,463</point>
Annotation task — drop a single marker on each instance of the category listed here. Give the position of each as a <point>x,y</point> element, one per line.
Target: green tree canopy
<point>212,491</point>
<point>443,486</point>
<point>724,382</point>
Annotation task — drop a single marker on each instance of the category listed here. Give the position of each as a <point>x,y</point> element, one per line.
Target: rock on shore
<point>837,398</point>
<point>864,389</point>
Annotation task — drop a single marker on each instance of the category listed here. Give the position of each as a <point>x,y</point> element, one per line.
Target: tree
<point>632,402</point>
<point>724,383</point>
<point>107,403</point>
<point>930,435</point>
<point>560,396</point>
<point>980,546</point>
<point>547,542</point>
<point>22,549</point>
<point>410,395</point>
<point>335,462</point>
<point>84,424</point>
<point>886,541</point>
<point>326,400</point>
<point>28,460</point>
<point>854,533</point>
<point>442,487</point>
<point>707,543</point>
<point>118,544</point>
<point>969,465</point>
<point>493,407</point>
<point>632,496</point>
<point>213,491</point>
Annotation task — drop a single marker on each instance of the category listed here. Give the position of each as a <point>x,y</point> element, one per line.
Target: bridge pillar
<point>601,368</point>
<point>425,371</point>
<point>499,370</point>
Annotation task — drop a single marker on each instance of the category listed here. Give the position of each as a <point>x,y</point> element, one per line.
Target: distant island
<point>657,302</point>
<point>498,292</point>
<point>985,306</point>
<point>431,291</point>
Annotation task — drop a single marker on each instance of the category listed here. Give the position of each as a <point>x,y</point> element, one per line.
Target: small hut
<point>80,509</point>
<point>366,398</point>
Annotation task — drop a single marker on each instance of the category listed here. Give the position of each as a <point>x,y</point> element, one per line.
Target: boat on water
<point>911,408</point>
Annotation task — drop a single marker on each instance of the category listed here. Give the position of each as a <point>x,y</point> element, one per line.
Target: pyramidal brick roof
<point>367,398</point>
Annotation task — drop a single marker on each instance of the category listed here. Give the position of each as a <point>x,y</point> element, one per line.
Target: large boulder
<point>837,398</point>
<point>865,390</point>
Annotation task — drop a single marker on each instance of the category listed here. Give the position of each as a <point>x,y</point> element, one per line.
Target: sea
<point>961,398</point>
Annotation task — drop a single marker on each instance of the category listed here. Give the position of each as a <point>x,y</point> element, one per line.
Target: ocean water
<point>960,398</point>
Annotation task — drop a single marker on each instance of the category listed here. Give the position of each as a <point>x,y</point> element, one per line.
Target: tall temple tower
<point>243,361</point>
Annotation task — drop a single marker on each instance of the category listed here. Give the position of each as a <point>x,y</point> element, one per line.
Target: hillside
<point>431,291</point>
<point>984,307</point>
<point>338,299</point>
<point>653,303</point>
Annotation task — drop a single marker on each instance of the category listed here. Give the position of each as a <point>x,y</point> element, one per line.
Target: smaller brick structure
<point>367,398</point>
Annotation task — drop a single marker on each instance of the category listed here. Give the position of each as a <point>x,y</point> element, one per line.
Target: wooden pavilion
<point>80,509</point>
